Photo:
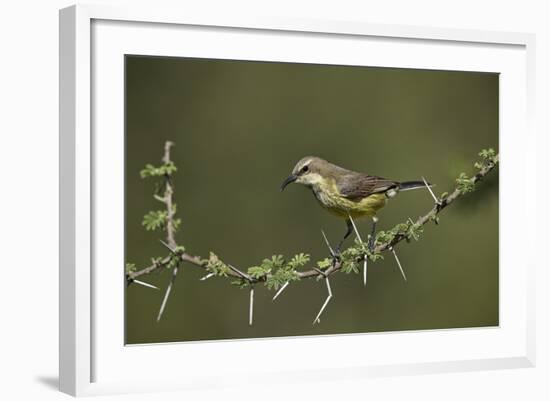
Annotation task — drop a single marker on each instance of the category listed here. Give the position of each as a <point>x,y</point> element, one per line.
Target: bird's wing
<point>359,186</point>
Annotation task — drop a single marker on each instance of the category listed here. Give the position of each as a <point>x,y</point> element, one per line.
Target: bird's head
<point>308,171</point>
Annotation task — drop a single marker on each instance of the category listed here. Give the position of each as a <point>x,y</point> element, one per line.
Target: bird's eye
<point>305,169</point>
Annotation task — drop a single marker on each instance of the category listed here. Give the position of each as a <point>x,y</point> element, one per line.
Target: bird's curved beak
<point>290,179</point>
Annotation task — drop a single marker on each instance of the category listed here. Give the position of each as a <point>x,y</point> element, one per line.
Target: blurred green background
<point>239,128</point>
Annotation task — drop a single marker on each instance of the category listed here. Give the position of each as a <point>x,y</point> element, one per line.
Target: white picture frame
<point>93,360</point>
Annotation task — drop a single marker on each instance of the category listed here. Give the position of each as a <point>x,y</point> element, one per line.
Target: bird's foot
<point>370,244</point>
<point>336,257</point>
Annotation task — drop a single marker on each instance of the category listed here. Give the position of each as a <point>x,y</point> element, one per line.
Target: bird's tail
<point>408,185</point>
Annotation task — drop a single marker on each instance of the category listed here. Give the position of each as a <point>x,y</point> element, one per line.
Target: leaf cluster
<point>241,283</point>
<point>277,270</point>
<point>175,257</point>
<point>158,219</point>
<point>464,184</point>
<point>409,230</point>
<point>215,265</point>
<point>130,268</point>
<point>164,170</point>
<point>274,271</point>
<point>489,157</point>
<point>155,219</point>
<point>351,258</point>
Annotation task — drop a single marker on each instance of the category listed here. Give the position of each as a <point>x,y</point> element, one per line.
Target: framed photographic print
<point>347,195</point>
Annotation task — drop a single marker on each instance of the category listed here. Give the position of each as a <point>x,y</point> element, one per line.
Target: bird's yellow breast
<point>329,197</point>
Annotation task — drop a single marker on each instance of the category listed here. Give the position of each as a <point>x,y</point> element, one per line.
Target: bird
<point>345,193</point>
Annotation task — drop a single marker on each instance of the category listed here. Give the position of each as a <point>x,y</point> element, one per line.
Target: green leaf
<point>275,262</point>
<point>350,266</point>
<point>179,249</point>
<point>324,264</point>
<point>166,169</point>
<point>154,220</point>
<point>279,277</point>
<point>414,230</point>
<point>130,268</point>
<point>241,283</point>
<point>299,260</point>
<point>375,256</point>
<point>148,171</point>
<point>487,154</point>
<point>489,158</point>
<point>383,236</point>
<point>258,271</point>
<point>156,261</point>
<point>464,184</point>
<point>215,265</point>
<point>173,262</point>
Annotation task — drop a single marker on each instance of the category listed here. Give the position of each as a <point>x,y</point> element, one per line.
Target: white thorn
<point>173,250</point>
<point>399,264</point>
<point>207,276</point>
<point>144,284</point>
<point>159,198</point>
<point>251,308</point>
<point>317,318</point>
<point>280,290</point>
<point>431,192</point>
<point>240,273</point>
<point>328,244</point>
<point>374,219</point>
<point>167,293</point>
<point>365,272</point>
<point>355,228</point>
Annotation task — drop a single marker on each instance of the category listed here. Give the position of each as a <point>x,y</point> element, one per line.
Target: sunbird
<point>345,193</point>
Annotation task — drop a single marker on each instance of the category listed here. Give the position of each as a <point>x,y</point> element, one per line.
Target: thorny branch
<point>166,219</point>
<point>167,198</point>
<point>384,241</point>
